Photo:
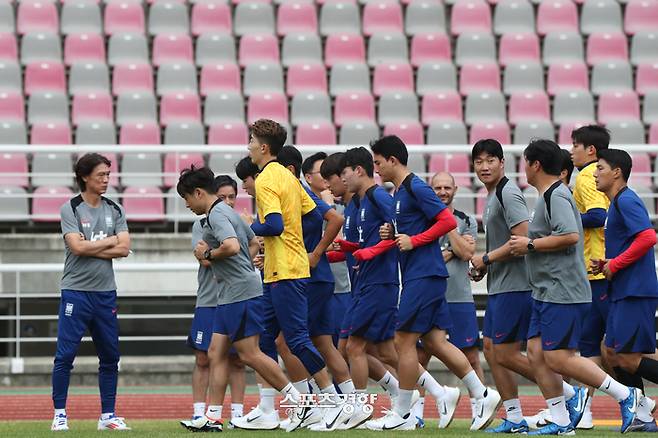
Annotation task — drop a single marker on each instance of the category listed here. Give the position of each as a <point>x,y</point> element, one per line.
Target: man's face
<point>98,180</point>
<point>227,195</point>
<point>255,149</point>
<point>488,168</point>
<point>581,155</point>
<point>531,170</point>
<point>350,178</point>
<point>314,179</point>
<point>383,167</point>
<point>194,202</point>
<point>336,186</point>
<point>444,187</point>
<point>604,176</point>
<point>249,186</point>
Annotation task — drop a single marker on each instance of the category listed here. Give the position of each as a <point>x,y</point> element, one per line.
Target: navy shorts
<point>464,332</point>
<point>595,322</point>
<point>560,326</point>
<point>631,325</point>
<point>201,330</point>
<point>239,320</point>
<point>341,304</point>
<point>320,309</point>
<point>423,306</point>
<point>507,317</point>
<point>374,312</point>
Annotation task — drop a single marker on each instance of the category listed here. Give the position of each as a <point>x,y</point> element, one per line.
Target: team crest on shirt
<point>199,337</point>
<point>347,222</point>
<point>68,311</point>
<point>397,207</point>
<point>532,216</point>
<point>363,214</point>
<point>108,221</point>
<point>85,223</point>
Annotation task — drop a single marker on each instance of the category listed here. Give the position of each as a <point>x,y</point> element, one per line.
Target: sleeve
<point>634,213</point>
<point>250,233</point>
<point>588,196</point>
<point>268,199</point>
<point>197,233</point>
<point>516,210</point>
<point>594,218</point>
<point>427,200</point>
<point>562,219</point>
<point>220,227</point>
<point>121,224</point>
<point>307,202</point>
<point>322,206</point>
<point>473,228</point>
<point>643,242</point>
<point>69,221</point>
<point>385,204</point>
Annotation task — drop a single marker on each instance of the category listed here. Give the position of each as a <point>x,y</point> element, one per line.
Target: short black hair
<point>195,178</point>
<point>246,168</point>
<point>290,156</point>
<point>618,159</point>
<point>487,146</point>
<point>547,152</point>
<point>391,146</point>
<point>331,165</point>
<point>271,133</point>
<point>307,165</point>
<point>86,165</point>
<point>593,135</point>
<point>567,164</point>
<point>359,157</point>
<point>225,180</point>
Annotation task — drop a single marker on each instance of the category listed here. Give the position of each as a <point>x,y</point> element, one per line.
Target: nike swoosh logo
<point>579,406</point>
<point>556,403</point>
<point>389,379</point>
<point>515,429</point>
<point>481,411</point>
<point>603,297</point>
<point>394,427</point>
<point>608,386</point>
<point>330,425</point>
<point>249,420</point>
<point>444,411</point>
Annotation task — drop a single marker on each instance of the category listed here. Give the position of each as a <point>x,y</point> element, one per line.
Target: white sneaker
<point>283,424</point>
<point>362,413</point>
<point>395,422</point>
<point>645,409</point>
<point>298,418</point>
<point>447,406</point>
<point>60,422</point>
<point>586,420</point>
<point>205,424</point>
<point>415,396</point>
<point>112,423</point>
<point>486,409</point>
<point>378,423</point>
<point>540,419</point>
<point>256,419</point>
<point>332,417</point>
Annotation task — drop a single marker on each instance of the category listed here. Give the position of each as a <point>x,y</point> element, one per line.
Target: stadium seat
<point>557,16</point>
<point>524,131</point>
<point>37,16</point>
<point>174,163</point>
<point>84,48</point>
<point>219,78</point>
<point>40,47</point>
<point>475,47</point>
<point>485,107</point>
<point>457,164</point>
<point>92,107</point>
<point>215,49</point>
<point>296,17</point>
<point>641,15</point>
<point>148,165</point>
<point>176,209</point>
<point>51,133</point>
<point>223,163</point>
<point>8,47</point>
<point>136,108</point>
<point>169,48</point>
<point>123,17</point>
<point>344,48</point>
<point>256,49</point>
<point>566,128</point>
<point>211,17</point>
<point>410,132</point>
<point>398,108</point>
<point>97,133</point>
<point>643,48</point>
<point>132,78</point>
<point>310,108</point>
<point>228,133</point>
<point>602,47</point>
<point>446,133</point>
<point>12,106</point>
<point>47,107</point>
<point>81,17</point>
<point>7,22</point>
<point>646,78</point>
<point>600,16</point>
<point>470,16</point>
<point>140,133</point>
<point>618,106</point>
<point>267,106</point>
<point>176,78</point>
<point>612,76</point>
<point>392,78</point>
<point>386,48</point>
<point>349,78</point>
<point>11,78</point>
<point>13,133</point>
<point>563,47</point>
<point>127,48</point>
<point>13,163</point>
<point>301,48</point>
<point>441,107</point>
<point>480,77</point>
<point>322,133</point>
<point>425,16</point>
<point>185,133</point>
<point>253,18</point>
<point>518,47</point>
<point>650,108</point>
<point>184,107</point>
<point>380,16</point>
<point>513,16</point>
<point>430,47</point>
<point>47,202</point>
<point>641,174</point>
<point>143,204</point>
<point>225,107</point>
<point>567,77</point>
<point>354,107</point>
<point>339,17</point>
<point>626,132</point>
<point>306,78</point>
<point>523,77</point>
<point>498,130</point>
<point>263,78</point>
<point>14,205</point>
<point>653,135</point>
<point>358,133</point>
<point>572,106</point>
<point>436,77</point>
<point>168,17</point>
<point>529,107</point>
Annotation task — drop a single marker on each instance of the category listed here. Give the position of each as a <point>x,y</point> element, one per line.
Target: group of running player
<point>356,283</point>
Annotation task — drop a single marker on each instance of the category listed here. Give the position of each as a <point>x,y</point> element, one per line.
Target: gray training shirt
<point>90,274</point>
<point>235,275</point>
<point>206,293</point>
<point>510,275</point>
<point>341,274</point>
<point>558,276</point>
<point>459,285</point>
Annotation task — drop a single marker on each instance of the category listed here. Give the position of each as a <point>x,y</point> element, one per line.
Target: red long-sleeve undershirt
<point>643,242</point>
<point>336,256</point>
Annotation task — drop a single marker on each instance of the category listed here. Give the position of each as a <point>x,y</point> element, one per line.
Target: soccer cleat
<point>337,417</point>
<point>112,423</point>
<point>645,409</point>
<point>628,408</point>
<point>554,429</point>
<point>298,417</point>
<point>396,422</point>
<point>508,427</point>
<point>539,420</point>
<point>420,423</point>
<point>447,406</point>
<point>256,419</point>
<point>642,426</point>
<point>314,416</point>
<point>485,409</point>
<point>60,423</point>
<point>576,405</point>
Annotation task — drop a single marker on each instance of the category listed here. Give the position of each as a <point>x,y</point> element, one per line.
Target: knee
<point>248,357</point>
<point>236,363</point>
<point>535,353</point>
<point>202,360</point>
<point>473,356</point>
<point>355,348</point>
<point>280,343</point>
<point>628,362</point>
<point>555,361</point>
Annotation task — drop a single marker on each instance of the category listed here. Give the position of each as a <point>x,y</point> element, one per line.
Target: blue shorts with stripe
<point>560,326</point>
<point>507,317</point>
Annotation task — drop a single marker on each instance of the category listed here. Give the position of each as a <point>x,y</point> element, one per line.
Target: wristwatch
<point>485,259</point>
<point>531,246</point>
<point>207,254</point>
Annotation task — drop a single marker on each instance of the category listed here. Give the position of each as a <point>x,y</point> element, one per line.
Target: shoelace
<point>61,420</point>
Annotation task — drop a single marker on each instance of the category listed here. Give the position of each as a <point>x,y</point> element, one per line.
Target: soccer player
<point>230,245</point>
<point>567,167</point>
<point>419,219</point>
<point>629,266</point>
<point>95,232</point>
<point>561,295</point>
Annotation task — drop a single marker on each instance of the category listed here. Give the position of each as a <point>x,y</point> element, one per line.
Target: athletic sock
<point>314,386</point>
<point>107,415</point>
<point>267,399</point>
<point>403,405</point>
<point>291,392</point>
<point>475,387</point>
<point>558,408</point>
<point>199,409</point>
<point>59,412</point>
<point>567,390</point>
<point>648,369</point>
<point>644,410</point>
<point>236,410</point>
<point>431,385</point>
<point>214,412</point>
<point>390,384</point>
<point>513,410</point>
<point>614,389</point>
<point>347,387</point>
<point>301,386</point>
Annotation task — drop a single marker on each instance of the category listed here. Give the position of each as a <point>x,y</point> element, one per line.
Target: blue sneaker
<point>420,423</point>
<point>641,426</point>
<point>554,429</point>
<point>628,408</point>
<point>509,427</point>
<point>576,405</point>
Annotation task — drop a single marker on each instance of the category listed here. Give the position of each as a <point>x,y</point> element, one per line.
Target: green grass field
<point>168,428</point>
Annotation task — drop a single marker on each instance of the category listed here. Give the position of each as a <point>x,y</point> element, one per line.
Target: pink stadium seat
<point>411,133</point>
<point>441,107</point>
<point>180,107</point>
<point>646,78</point>
<point>114,168</point>
<point>564,134</point>
<point>557,16</point>
<point>296,17</point>
<point>653,133</point>
<point>481,201</point>
<point>344,48</point>
<point>606,47</point>
<point>37,16</point>
<point>172,48</point>
<point>131,78</point>
<point>244,203</point>
<point>641,175</point>
<point>84,48</point>
<point>220,77</point>
<point>143,204</point>
<point>567,77</point>
<point>497,130</point>
<point>228,133</point>
<point>174,166</point>
<point>354,107</point>
<point>211,17</point>
<point>13,163</point>
<point>139,133</point>
<point>382,16</point>
<point>50,133</point>
<point>124,17</point>
<point>255,49</point>
<point>47,202</point>
<point>430,47</point>
<point>617,106</point>
<point>269,106</point>
<point>12,106</point>
<point>533,107</point>
<point>470,16</point>
<point>92,107</point>
<point>478,78</point>
<point>392,78</point>
<point>8,47</point>
<point>518,47</point>
<point>320,133</point>
<point>458,164</point>
<point>306,78</point>
<point>44,76</point>
<point>641,15</point>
